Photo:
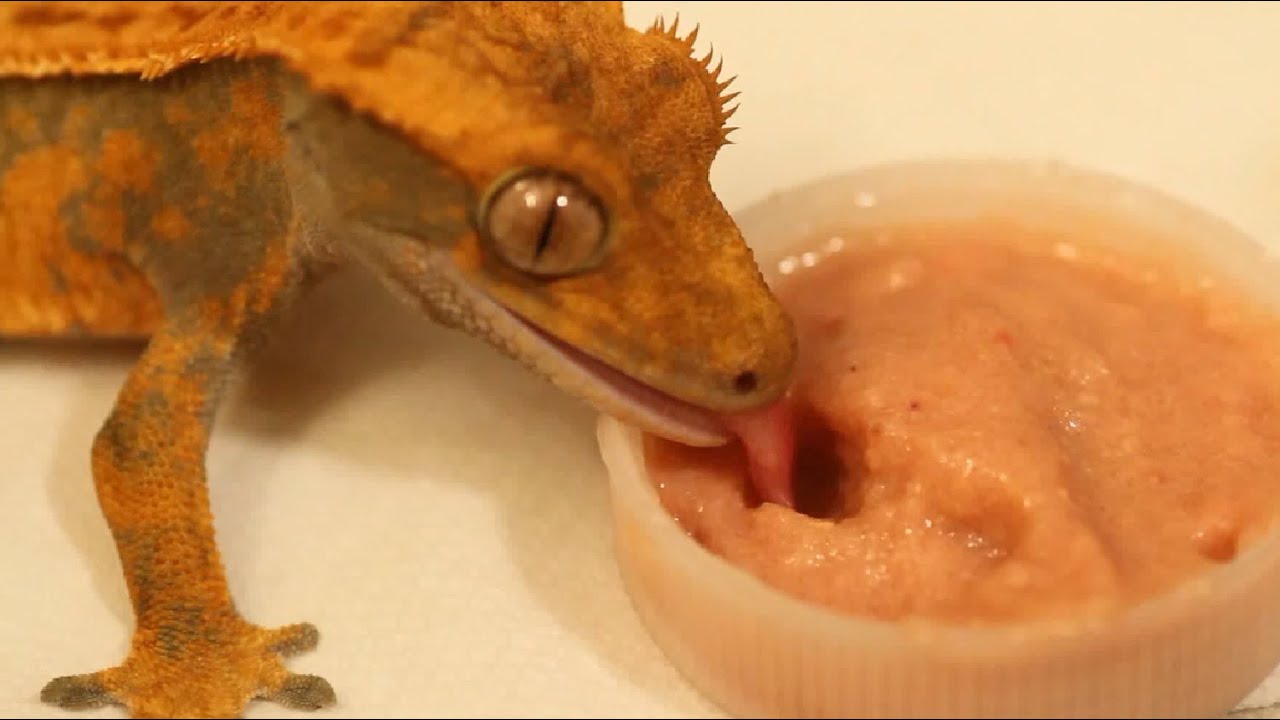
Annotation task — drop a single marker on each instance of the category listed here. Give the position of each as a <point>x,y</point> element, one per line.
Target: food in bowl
<point>1036,408</point>
<point>995,423</point>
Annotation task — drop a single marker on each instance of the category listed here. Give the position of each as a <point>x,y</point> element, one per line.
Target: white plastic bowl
<point>755,651</point>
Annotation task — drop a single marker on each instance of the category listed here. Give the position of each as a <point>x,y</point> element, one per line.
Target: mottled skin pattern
<point>181,171</point>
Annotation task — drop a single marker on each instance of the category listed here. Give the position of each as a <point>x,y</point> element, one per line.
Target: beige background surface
<point>441,515</point>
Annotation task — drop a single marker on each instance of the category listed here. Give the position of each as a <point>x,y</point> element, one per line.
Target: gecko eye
<point>544,223</point>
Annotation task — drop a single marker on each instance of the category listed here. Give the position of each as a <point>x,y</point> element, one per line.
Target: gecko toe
<point>77,692</point>
<point>294,639</point>
<point>302,692</point>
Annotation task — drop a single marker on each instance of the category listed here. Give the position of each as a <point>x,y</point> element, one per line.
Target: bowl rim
<point>635,497</point>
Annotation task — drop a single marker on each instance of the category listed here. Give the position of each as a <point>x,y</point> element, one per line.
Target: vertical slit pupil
<point>548,225</point>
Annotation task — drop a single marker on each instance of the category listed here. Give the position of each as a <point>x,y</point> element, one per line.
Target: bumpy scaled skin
<point>181,171</point>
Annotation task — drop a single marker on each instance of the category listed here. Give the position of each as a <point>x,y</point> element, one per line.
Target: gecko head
<point>580,233</point>
<point>657,313</point>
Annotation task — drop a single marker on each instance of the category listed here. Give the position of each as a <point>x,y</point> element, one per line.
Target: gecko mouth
<point>633,400</point>
<point>609,389</point>
<point>766,433</point>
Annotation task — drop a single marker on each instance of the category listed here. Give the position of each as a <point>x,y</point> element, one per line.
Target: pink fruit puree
<point>994,424</point>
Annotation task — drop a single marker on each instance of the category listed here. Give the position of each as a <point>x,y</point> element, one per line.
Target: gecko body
<point>535,174</point>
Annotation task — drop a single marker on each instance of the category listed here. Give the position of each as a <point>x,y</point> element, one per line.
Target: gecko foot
<point>204,674</point>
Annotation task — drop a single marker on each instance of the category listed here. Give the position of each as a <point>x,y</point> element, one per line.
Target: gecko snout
<point>759,379</point>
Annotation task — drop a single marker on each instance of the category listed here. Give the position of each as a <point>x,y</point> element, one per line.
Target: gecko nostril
<point>745,382</point>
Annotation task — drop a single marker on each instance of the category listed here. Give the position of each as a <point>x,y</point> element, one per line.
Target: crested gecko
<point>535,174</point>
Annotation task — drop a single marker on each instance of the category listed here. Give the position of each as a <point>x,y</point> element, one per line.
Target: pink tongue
<point>768,436</point>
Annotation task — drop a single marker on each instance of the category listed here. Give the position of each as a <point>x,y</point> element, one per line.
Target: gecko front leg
<point>183,179</point>
<point>192,653</point>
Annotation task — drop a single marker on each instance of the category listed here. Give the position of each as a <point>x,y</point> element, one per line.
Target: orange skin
<point>182,171</point>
